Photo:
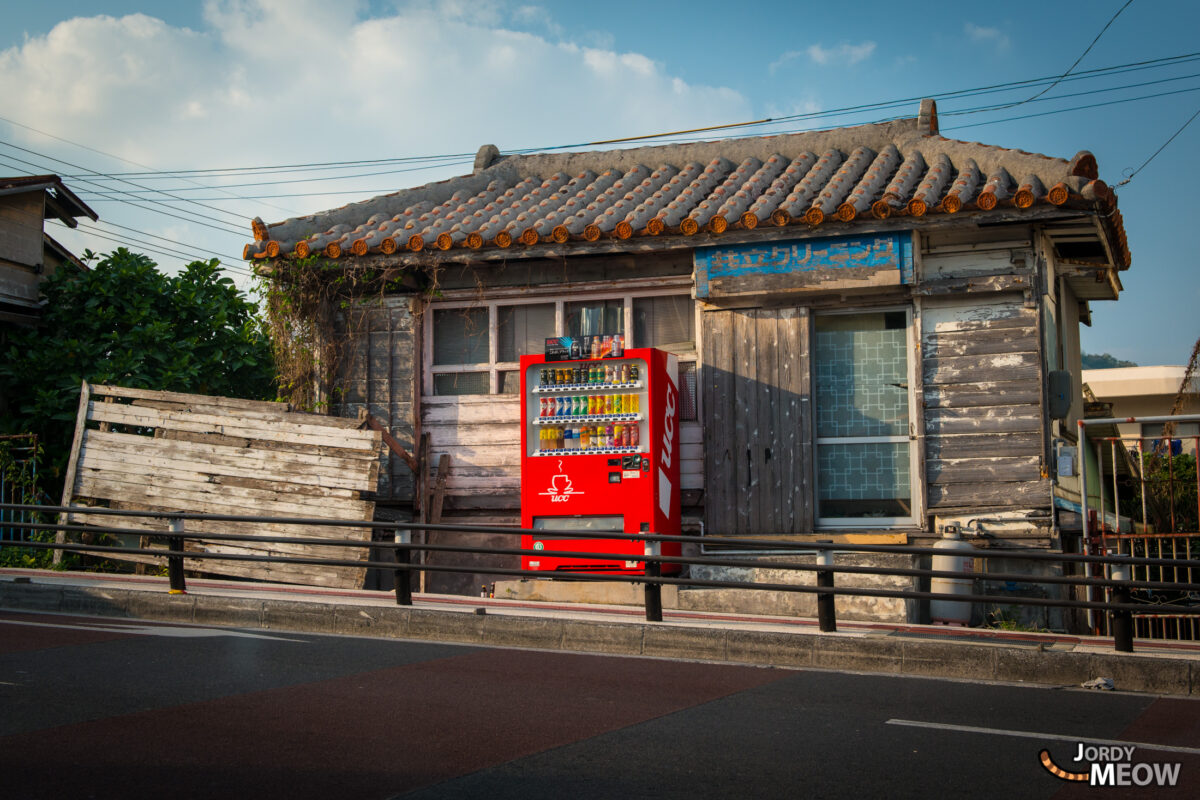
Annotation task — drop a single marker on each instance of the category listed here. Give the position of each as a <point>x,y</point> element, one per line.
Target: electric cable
<point>1087,50</point>
<point>131,183</point>
<point>1131,175</point>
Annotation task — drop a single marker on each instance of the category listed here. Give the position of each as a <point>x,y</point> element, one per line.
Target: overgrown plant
<point>19,457</point>
<point>124,322</point>
<point>315,308</point>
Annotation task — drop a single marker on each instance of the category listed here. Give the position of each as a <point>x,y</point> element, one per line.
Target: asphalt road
<point>122,709</point>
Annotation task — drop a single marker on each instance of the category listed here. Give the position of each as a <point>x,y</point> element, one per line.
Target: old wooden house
<point>28,255</point>
<point>867,320</point>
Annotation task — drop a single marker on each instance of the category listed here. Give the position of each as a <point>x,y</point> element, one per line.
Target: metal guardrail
<point>1119,580</point>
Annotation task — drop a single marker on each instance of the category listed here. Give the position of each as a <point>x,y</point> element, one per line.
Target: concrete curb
<point>896,654</point>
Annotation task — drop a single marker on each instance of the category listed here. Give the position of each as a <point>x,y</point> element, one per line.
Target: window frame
<point>496,368</point>
<point>916,479</point>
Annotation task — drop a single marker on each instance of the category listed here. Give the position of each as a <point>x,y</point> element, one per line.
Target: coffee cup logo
<point>561,487</point>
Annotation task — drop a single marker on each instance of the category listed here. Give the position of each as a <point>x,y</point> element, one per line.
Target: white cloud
<point>790,55</point>
<point>283,81</point>
<point>993,36</point>
<point>842,54</point>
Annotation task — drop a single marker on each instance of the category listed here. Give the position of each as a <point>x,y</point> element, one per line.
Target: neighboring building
<point>866,319</point>
<point>1145,392</point>
<point>28,255</point>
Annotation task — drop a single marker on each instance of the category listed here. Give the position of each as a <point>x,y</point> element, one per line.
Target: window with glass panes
<point>865,453</point>
<point>475,348</point>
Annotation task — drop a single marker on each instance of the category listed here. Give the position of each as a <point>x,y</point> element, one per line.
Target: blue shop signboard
<point>803,263</point>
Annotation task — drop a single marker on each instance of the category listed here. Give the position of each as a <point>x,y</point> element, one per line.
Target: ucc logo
<point>560,488</point>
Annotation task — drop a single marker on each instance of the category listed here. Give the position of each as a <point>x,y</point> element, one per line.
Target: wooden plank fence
<point>171,452</point>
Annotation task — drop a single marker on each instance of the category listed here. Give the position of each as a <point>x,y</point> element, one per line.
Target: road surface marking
<point>1035,735</point>
<point>153,630</point>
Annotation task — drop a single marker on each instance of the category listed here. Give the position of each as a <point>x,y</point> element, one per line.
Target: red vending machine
<point>599,452</point>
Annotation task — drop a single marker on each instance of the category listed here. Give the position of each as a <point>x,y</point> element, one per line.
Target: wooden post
<point>85,396</point>
<point>423,497</point>
<point>439,489</point>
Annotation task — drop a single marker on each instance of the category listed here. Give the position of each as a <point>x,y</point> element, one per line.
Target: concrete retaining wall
<point>876,652</point>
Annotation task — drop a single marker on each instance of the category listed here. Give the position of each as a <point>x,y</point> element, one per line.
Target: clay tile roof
<point>835,179</point>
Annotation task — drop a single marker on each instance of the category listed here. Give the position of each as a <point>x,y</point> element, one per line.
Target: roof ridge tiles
<point>828,199</point>
<point>664,198</point>
<point>741,199</point>
<point>534,199</point>
<point>706,212</point>
<point>997,187</point>
<point>636,219</point>
<point>808,187</point>
<point>572,191</point>
<point>608,204</point>
<point>937,176</point>
<point>762,208</point>
<point>573,224</point>
<point>870,185</point>
<point>962,191</point>
<point>1029,192</point>
<point>691,196</point>
<point>900,187</point>
<point>623,209</point>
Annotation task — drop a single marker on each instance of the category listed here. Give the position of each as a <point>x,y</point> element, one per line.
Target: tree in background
<point>125,323</point>
<point>1103,361</point>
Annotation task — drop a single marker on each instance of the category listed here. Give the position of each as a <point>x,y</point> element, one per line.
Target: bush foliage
<point>124,322</point>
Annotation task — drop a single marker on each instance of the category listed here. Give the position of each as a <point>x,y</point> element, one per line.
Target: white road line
<point>153,630</point>
<point>1035,735</point>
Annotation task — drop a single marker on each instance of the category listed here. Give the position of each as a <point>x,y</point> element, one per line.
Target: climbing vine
<point>316,308</point>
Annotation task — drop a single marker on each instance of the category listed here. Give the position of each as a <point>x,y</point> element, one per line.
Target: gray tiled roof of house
<point>832,179</point>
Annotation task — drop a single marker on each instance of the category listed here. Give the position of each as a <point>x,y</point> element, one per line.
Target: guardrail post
<point>826,616</point>
<point>175,560</point>
<point>1122,621</point>
<point>653,590</point>
<point>402,579</point>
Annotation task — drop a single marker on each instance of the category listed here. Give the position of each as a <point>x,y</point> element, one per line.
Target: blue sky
<point>244,83</point>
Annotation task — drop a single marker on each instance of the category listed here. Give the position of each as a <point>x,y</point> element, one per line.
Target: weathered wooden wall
<point>165,451</point>
<point>378,372</point>
<point>754,379</point>
<point>984,421</point>
<point>21,246</point>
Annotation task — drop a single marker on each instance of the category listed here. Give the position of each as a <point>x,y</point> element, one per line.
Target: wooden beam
<point>72,463</point>
<point>365,418</point>
<point>439,489</point>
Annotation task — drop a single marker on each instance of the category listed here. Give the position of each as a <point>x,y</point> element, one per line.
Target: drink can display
<point>618,345</point>
<point>608,435</point>
<point>608,404</point>
<point>634,435</point>
<point>585,438</point>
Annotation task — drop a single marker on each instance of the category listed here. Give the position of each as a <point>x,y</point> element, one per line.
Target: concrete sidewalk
<point>1171,668</point>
